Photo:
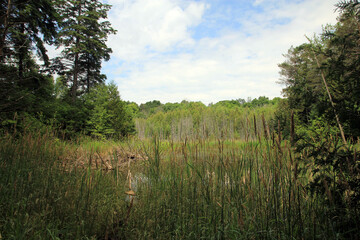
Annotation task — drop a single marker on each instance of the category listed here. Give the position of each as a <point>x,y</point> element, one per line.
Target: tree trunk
<point>75,76</point>
<point>22,52</point>
<point>330,98</point>
<point>76,63</point>
<point>332,103</point>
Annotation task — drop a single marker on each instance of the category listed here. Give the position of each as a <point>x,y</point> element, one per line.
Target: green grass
<point>42,200</point>
<point>222,191</point>
<point>194,189</point>
<point>226,190</point>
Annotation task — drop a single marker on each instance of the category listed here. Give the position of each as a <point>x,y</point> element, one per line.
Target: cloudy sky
<point>206,50</point>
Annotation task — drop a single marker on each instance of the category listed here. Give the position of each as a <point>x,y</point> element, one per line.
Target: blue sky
<point>206,50</point>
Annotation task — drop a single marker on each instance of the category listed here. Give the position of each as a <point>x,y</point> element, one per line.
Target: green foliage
<point>256,102</point>
<point>150,108</point>
<point>335,171</point>
<point>228,103</point>
<point>26,24</point>
<point>343,71</point>
<point>281,123</point>
<point>261,101</point>
<point>109,116</point>
<point>83,34</point>
<point>60,88</point>
<point>171,106</point>
<point>133,108</point>
<point>32,94</point>
<point>304,86</point>
<point>303,83</point>
<point>225,119</point>
<point>321,81</point>
<point>26,92</point>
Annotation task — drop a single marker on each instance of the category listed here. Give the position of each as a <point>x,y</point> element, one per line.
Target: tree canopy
<point>333,56</point>
<point>83,34</point>
<point>28,91</point>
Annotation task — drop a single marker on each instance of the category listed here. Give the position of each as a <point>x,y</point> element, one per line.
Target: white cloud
<point>145,27</point>
<point>257,2</point>
<point>238,64</point>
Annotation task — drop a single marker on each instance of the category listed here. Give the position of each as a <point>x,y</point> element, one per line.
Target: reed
<point>227,190</point>
<point>253,187</point>
<point>40,199</point>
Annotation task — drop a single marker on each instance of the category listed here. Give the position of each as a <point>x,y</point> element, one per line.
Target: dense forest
<point>78,100</point>
<point>78,162</point>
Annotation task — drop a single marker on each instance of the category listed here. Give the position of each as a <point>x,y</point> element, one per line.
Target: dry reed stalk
<point>292,128</point>
<point>129,174</point>
<point>247,133</point>
<point>327,190</point>
<point>261,177</point>
<point>255,130</point>
<point>264,126</point>
<point>241,223</point>
<point>278,144</point>
<point>107,165</point>
<point>130,193</point>
<point>244,180</point>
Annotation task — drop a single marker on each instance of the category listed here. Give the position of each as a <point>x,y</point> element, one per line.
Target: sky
<point>207,50</point>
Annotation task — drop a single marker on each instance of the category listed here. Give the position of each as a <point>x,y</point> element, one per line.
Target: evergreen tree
<point>25,26</point>
<point>302,82</point>
<point>83,35</point>
<point>343,52</point>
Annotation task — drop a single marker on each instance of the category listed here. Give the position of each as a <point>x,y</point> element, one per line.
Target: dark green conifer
<point>83,36</point>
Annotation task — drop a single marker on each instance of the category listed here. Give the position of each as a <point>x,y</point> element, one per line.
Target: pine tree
<point>25,24</point>
<point>83,35</point>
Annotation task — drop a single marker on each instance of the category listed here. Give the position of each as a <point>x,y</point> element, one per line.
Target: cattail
<point>279,131</point>
<point>241,220</point>
<point>264,125</point>
<point>255,130</point>
<point>292,128</point>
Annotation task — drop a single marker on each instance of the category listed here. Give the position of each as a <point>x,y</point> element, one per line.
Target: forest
<point>78,162</point>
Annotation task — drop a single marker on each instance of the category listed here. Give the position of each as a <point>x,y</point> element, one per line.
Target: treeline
<point>321,77</point>
<point>322,113</point>
<point>78,101</point>
<point>226,119</point>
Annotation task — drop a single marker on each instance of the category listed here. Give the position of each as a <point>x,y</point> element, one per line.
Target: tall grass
<point>41,199</point>
<point>226,190</point>
<point>196,188</point>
